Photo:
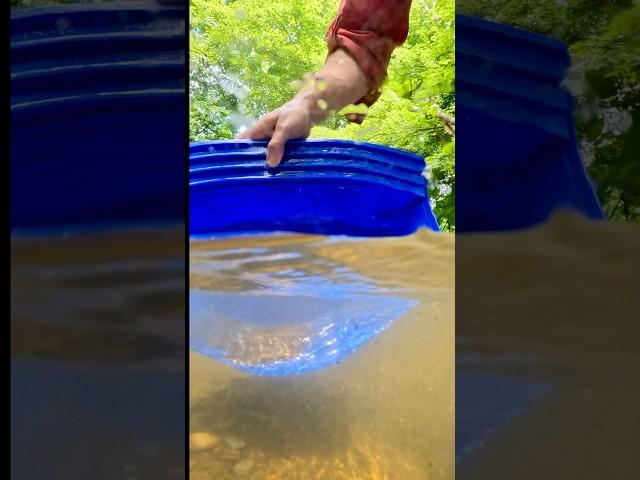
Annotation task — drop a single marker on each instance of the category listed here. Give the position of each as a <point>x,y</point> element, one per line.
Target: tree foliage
<point>245,54</point>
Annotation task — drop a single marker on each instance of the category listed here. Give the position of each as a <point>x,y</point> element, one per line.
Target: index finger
<point>262,129</point>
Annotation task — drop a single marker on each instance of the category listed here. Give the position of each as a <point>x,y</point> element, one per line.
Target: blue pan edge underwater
<point>293,343</point>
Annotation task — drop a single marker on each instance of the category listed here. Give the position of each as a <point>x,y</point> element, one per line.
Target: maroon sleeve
<point>369,30</point>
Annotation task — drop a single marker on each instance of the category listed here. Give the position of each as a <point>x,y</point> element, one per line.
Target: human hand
<point>339,83</point>
<point>292,120</point>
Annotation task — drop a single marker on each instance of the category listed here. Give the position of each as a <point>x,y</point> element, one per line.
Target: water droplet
<point>322,104</point>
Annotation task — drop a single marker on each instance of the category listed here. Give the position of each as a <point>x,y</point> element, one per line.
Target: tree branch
<point>449,122</point>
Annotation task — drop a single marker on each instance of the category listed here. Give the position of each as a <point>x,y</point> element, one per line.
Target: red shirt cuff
<point>369,30</point>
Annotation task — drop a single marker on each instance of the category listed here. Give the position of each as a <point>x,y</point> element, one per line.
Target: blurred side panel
<point>548,244</point>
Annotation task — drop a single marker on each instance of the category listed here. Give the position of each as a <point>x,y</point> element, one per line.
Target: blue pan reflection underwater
<point>294,313</point>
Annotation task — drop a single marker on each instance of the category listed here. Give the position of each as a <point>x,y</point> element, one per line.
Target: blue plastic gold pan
<point>321,186</point>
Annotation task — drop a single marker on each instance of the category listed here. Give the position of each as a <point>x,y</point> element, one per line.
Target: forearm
<point>339,83</point>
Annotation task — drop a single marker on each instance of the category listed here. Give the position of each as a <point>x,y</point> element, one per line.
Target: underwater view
<point>98,354</point>
<point>547,351</point>
<point>96,387</point>
<point>322,357</point>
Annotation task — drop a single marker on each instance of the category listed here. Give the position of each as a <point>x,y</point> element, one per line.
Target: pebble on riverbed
<point>235,443</point>
<point>202,441</point>
<point>243,468</point>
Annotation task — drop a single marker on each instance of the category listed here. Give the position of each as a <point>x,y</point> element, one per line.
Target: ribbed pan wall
<point>517,156</point>
<point>98,113</point>
<point>321,186</point>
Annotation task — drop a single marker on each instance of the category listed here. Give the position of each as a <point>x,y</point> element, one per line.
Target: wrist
<point>315,102</point>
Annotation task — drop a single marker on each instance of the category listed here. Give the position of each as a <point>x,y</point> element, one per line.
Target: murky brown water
<point>98,355</point>
<point>547,359</point>
<point>547,352</point>
<point>384,412</point>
